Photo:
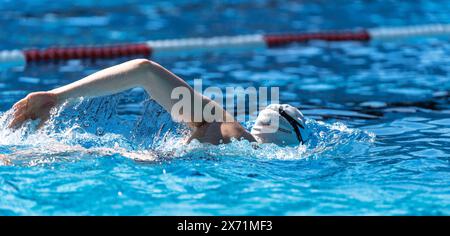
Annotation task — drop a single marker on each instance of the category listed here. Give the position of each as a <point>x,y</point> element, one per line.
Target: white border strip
<point>410,31</point>
<point>13,58</point>
<point>206,44</point>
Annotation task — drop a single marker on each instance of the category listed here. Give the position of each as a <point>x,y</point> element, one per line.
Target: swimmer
<point>159,83</point>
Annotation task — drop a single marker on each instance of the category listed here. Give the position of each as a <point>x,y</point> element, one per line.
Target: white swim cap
<point>281,124</point>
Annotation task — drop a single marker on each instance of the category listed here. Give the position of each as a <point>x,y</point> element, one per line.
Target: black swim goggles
<point>294,123</point>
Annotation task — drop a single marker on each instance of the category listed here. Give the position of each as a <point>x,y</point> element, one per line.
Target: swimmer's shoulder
<point>221,132</point>
<point>235,130</point>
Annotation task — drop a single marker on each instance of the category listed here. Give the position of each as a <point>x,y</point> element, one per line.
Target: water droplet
<point>100,131</point>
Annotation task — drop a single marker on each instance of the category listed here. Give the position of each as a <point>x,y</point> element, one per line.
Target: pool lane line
<point>20,58</point>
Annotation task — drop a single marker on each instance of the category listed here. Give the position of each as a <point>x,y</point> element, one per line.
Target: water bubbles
<point>100,131</point>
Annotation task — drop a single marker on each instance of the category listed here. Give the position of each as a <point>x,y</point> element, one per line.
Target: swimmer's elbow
<point>141,62</point>
<point>146,69</point>
<point>145,64</point>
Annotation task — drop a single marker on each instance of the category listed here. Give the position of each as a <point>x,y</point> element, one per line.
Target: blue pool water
<point>380,113</point>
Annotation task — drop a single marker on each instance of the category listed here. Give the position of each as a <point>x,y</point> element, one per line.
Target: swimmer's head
<point>281,124</point>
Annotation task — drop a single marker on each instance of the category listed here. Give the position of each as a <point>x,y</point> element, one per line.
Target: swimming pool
<point>380,112</point>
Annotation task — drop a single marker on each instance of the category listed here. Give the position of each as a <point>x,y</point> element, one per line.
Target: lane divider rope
<point>14,58</point>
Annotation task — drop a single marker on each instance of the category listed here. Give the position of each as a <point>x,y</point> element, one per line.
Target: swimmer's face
<point>280,124</point>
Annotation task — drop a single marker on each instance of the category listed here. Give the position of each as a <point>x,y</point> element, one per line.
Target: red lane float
<point>15,58</point>
<point>281,40</point>
<point>99,52</point>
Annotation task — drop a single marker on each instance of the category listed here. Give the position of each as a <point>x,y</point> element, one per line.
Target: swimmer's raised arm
<point>156,80</point>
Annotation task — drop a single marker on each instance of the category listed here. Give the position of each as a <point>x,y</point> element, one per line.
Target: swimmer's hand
<point>34,106</point>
